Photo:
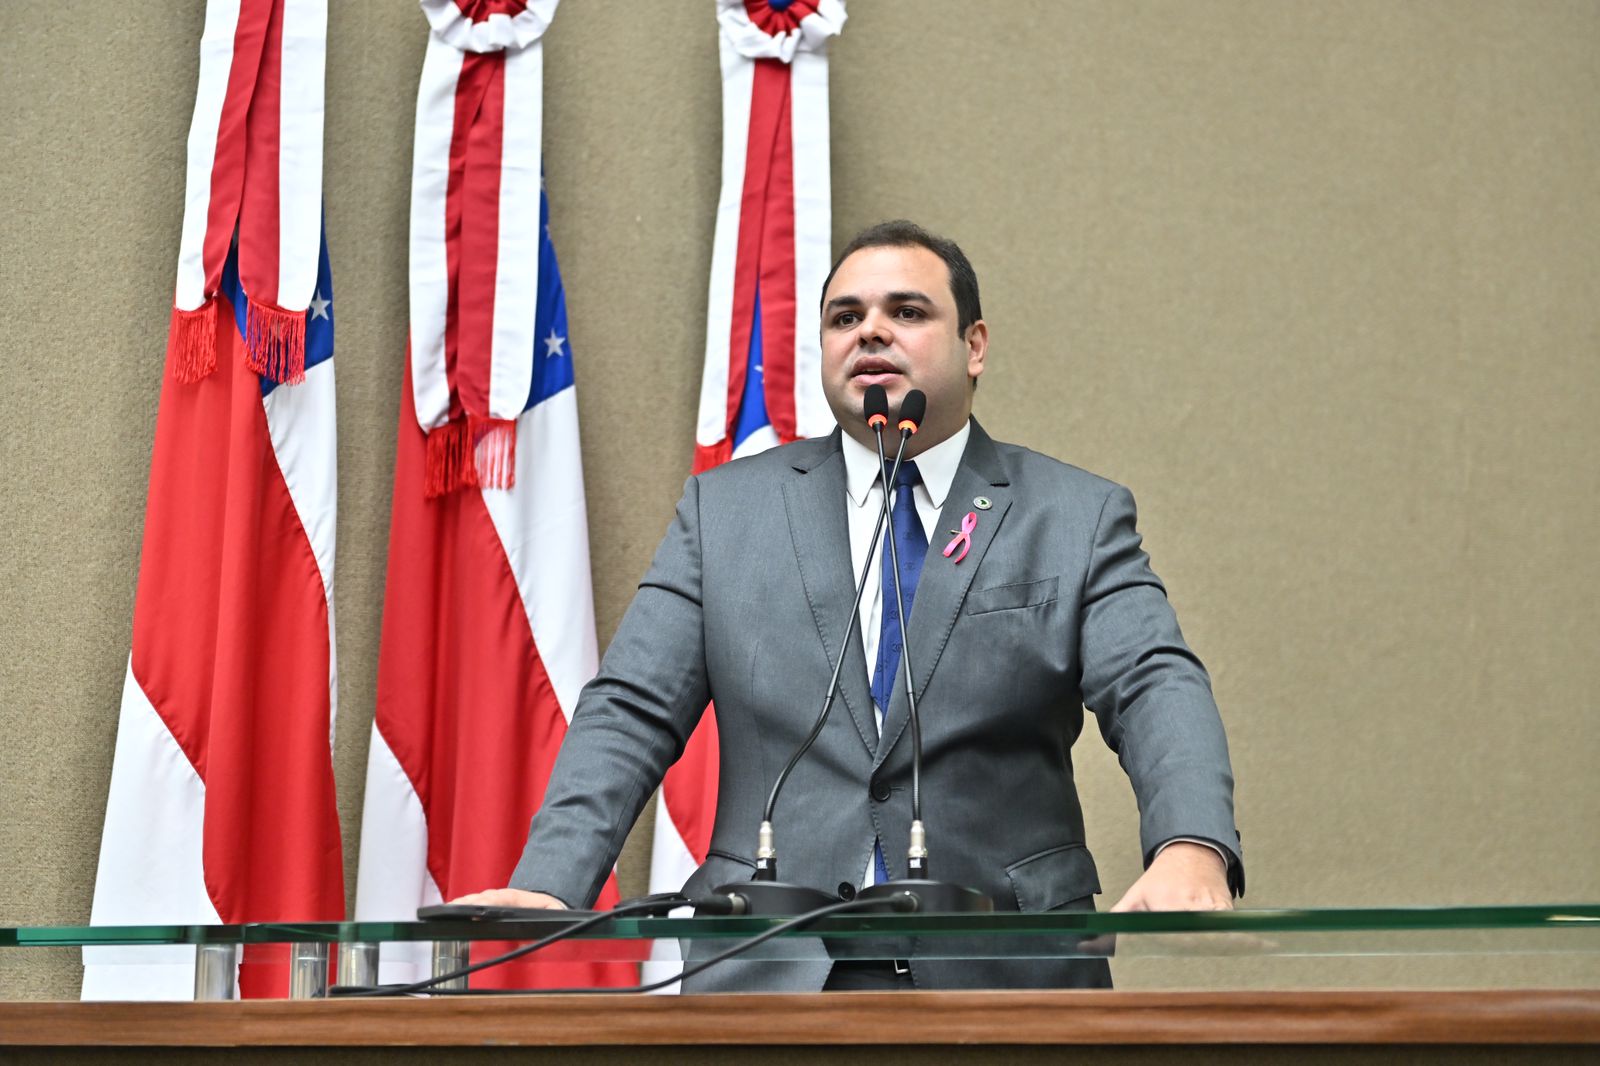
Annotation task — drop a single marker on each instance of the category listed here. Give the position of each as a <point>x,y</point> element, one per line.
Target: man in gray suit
<point>1052,608</point>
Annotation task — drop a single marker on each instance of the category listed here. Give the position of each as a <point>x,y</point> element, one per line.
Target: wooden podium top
<point>1538,1017</point>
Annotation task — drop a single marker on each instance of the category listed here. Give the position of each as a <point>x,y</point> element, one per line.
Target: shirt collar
<point>937,465</point>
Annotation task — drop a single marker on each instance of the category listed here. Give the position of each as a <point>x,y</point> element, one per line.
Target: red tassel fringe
<point>471,451</point>
<point>275,342</point>
<point>494,451</point>
<point>449,459</point>
<point>192,343</point>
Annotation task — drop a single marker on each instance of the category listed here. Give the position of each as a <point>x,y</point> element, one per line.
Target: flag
<point>488,626</point>
<point>762,383</point>
<point>221,807</point>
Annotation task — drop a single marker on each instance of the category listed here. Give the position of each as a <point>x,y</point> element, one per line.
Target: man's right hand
<point>512,897</point>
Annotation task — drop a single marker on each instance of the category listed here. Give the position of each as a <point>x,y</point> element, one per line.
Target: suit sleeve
<point>631,723</point>
<point>1151,695</point>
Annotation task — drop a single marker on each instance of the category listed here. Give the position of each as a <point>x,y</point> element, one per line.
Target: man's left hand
<point>1184,877</point>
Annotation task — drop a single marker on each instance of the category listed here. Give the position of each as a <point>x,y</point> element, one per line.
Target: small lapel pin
<point>963,539</point>
<point>982,503</point>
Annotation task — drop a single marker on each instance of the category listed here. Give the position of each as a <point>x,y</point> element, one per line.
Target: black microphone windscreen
<point>914,408</point>
<point>875,404</point>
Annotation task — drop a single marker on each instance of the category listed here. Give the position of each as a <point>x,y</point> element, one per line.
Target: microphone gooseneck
<point>764,894</point>
<point>875,410</point>
<point>913,409</point>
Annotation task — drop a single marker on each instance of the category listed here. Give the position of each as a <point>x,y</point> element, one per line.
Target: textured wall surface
<point>1317,281</point>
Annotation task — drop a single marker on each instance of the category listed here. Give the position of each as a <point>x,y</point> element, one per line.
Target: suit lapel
<point>944,583</point>
<point>818,526</point>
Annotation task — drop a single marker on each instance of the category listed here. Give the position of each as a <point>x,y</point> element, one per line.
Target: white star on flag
<point>319,306</point>
<point>552,345</point>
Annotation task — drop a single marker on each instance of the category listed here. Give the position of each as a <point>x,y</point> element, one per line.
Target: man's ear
<point>977,348</point>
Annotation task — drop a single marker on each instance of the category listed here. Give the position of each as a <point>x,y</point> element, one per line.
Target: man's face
<point>889,318</point>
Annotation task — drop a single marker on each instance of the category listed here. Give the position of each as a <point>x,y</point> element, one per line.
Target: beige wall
<point>1318,281</point>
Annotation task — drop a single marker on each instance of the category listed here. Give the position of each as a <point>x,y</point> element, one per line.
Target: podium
<point>1297,959</point>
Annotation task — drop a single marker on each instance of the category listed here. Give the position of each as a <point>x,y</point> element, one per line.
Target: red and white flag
<point>221,806</point>
<point>488,626</point>
<point>762,383</point>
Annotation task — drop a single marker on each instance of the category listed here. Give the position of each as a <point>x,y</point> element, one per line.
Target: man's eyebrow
<point>899,297</point>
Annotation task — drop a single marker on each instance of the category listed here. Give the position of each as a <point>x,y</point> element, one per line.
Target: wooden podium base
<point>914,1022</point>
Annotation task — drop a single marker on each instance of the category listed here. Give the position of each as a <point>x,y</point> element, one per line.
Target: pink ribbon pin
<point>963,540</point>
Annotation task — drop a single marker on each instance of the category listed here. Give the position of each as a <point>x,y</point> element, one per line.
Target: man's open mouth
<point>872,367</point>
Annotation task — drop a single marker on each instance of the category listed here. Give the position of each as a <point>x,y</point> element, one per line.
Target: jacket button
<point>880,790</point>
<point>847,891</point>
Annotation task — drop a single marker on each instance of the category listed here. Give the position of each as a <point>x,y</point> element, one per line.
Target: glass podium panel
<point>1398,930</point>
<point>1530,946</point>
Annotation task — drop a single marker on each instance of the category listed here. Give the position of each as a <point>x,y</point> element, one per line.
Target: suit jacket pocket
<point>1011,597</point>
<point>1053,877</point>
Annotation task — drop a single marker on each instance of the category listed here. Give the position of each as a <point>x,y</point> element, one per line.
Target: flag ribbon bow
<point>255,167</point>
<point>474,269</point>
<point>771,246</point>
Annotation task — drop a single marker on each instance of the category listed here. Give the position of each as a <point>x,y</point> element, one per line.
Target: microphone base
<point>933,897</point>
<point>776,897</point>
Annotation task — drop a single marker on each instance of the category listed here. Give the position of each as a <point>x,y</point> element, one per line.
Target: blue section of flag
<point>552,355</point>
<point>753,403</point>
<point>319,317</point>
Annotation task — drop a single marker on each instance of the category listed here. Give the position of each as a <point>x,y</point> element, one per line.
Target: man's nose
<point>875,330</point>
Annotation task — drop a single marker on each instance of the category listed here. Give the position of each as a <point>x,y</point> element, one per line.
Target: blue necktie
<point>912,541</point>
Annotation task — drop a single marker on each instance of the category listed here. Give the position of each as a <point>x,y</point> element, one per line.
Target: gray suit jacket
<point>1054,608</point>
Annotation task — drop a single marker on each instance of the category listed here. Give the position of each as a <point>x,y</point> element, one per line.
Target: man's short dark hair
<point>901,233</point>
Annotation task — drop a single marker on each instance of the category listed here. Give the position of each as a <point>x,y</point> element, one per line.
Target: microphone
<point>765,894</point>
<point>875,407</point>
<point>913,409</point>
<point>932,895</point>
